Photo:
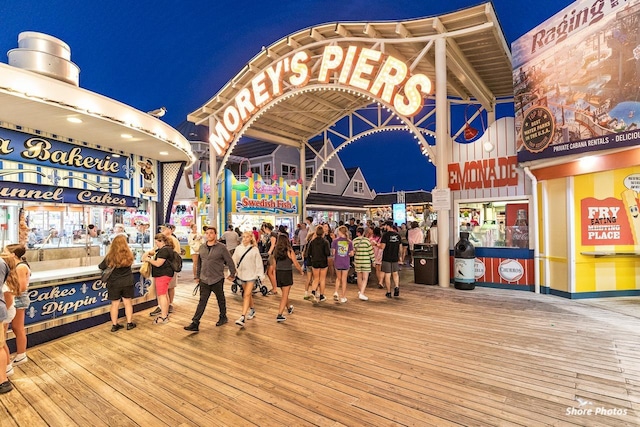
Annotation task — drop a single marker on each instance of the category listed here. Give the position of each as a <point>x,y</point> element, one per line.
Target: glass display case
<point>496,224</point>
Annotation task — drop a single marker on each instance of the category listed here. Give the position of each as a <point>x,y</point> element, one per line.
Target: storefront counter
<point>63,257</point>
<point>66,300</point>
<point>511,268</point>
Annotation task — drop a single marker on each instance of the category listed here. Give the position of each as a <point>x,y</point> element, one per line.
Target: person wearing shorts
<point>285,259</point>
<point>10,289</point>
<point>390,245</point>
<point>318,251</point>
<point>342,251</point>
<point>362,259</point>
<point>249,269</point>
<point>21,302</point>
<point>120,282</point>
<point>162,273</point>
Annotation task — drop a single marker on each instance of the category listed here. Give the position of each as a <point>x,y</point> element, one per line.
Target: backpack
<point>175,262</point>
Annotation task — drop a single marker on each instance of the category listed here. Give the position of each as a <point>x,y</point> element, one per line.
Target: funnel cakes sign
<point>382,76</point>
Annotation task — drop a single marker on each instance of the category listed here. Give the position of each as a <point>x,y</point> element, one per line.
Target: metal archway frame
<point>463,53</point>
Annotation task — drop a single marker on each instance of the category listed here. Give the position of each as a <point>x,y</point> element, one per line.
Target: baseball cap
<point>167,225</point>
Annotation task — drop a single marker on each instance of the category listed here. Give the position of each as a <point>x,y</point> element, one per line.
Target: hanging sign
<point>383,76</point>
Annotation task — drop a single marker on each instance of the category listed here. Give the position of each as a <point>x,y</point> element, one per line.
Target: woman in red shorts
<point>162,273</point>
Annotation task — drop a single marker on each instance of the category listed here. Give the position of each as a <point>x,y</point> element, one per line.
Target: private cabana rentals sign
<point>382,76</point>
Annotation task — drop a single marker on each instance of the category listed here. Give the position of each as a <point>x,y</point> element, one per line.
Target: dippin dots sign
<point>384,77</point>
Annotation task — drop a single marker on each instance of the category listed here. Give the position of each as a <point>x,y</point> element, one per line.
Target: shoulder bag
<point>106,274</point>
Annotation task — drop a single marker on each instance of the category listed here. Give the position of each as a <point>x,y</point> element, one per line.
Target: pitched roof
<point>334,200</point>
<point>253,148</point>
<point>193,132</point>
<point>411,198</point>
<point>351,171</point>
<point>317,145</point>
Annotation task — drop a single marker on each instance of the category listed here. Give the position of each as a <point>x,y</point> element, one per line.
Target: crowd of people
<point>249,257</point>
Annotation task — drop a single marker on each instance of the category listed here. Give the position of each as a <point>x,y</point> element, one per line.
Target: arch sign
<point>366,69</point>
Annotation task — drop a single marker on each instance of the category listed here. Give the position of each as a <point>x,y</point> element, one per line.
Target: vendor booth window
<point>496,224</point>
<point>329,176</point>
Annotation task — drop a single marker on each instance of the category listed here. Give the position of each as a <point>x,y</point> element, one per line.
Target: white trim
<point>571,237</point>
<point>333,177</point>
<point>290,166</point>
<point>361,185</point>
<point>313,171</point>
<point>262,165</point>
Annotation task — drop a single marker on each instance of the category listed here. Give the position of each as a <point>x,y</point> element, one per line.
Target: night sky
<point>179,53</point>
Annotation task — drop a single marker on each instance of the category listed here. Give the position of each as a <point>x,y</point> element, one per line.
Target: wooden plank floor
<point>433,356</point>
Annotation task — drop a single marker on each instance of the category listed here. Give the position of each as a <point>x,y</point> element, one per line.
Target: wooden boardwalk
<point>433,356</point>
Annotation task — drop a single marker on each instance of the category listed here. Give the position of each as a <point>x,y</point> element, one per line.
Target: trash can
<point>425,264</point>
<point>464,264</point>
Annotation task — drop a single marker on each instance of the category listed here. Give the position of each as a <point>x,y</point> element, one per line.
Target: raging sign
<point>382,76</point>
<point>486,173</point>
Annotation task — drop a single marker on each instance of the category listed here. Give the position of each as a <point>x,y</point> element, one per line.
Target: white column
<point>213,186</point>
<point>303,176</point>
<point>442,158</point>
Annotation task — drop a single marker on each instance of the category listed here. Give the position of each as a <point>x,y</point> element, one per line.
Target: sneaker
<point>130,326</point>
<point>156,312</point>
<point>222,321</point>
<point>306,296</point>
<point>396,292</point>
<point>380,286</point>
<point>411,265</point>
<point>343,300</point>
<point>170,308</point>
<point>251,314</point>
<point>193,327</point>
<point>290,309</point>
<point>322,298</point>
<point>280,318</point>
<point>240,322</point>
<point>388,295</point>
<point>116,327</point>
<point>161,320</point>
<point>17,362</point>
<point>10,370</point>
<point>336,297</point>
<point>362,297</point>
<point>313,297</point>
<point>6,387</point>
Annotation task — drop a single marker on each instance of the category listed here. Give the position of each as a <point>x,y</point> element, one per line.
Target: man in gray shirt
<point>231,239</point>
<point>212,258</point>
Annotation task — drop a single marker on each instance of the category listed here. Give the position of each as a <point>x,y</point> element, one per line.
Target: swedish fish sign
<point>255,195</point>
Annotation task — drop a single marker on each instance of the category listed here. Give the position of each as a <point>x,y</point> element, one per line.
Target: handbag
<point>106,273</point>
<point>4,315</point>
<point>235,279</point>
<point>145,270</point>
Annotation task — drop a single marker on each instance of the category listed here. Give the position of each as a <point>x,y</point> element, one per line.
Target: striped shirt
<point>363,256</point>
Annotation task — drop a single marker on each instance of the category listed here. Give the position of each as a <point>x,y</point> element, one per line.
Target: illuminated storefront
<point>492,202</point>
<point>250,200</point>
<point>70,176</point>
